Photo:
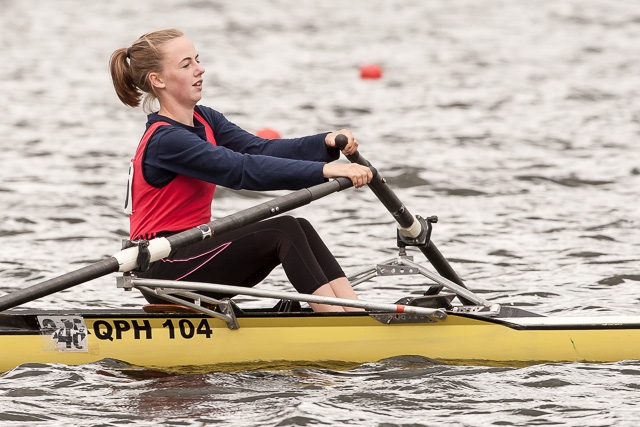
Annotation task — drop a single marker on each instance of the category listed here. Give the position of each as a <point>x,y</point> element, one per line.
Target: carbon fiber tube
<point>401,214</point>
<point>262,211</point>
<point>256,213</point>
<point>60,283</point>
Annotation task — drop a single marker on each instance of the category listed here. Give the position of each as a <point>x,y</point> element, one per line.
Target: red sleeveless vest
<point>181,204</point>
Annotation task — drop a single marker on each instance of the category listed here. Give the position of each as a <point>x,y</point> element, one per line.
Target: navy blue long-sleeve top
<point>240,160</point>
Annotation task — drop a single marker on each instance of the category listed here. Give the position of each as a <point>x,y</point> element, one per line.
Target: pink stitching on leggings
<point>216,250</point>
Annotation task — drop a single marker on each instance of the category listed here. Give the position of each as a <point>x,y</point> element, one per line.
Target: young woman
<point>188,149</point>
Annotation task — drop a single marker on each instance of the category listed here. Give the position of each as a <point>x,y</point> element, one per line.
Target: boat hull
<point>188,340</point>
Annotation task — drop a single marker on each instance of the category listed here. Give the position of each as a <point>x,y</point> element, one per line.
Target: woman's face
<point>181,76</point>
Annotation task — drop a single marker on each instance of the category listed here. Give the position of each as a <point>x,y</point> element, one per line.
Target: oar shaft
<point>60,283</point>
<point>442,266</point>
<point>234,221</point>
<point>262,211</point>
<point>387,197</point>
<point>406,221</point>
<point>126,259</point>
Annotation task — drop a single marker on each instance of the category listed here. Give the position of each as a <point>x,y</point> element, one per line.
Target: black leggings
<point>246,256</point>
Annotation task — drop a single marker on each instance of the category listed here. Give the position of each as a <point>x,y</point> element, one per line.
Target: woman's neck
<point>182,115</point>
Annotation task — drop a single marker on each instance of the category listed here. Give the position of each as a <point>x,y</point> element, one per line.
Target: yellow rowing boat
<point>212,333</point>
<point>175,340</point>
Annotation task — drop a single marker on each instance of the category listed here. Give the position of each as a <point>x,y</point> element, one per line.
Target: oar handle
<point>341,143</point>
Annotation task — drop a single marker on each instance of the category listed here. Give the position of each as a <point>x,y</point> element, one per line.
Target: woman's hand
<point>358,174</point>
<point>352,144</point>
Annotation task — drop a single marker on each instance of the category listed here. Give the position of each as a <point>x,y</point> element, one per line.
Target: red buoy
<point>268,133</point>
<point>370,71</point>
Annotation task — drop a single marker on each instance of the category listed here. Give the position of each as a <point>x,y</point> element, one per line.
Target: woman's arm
<point>172,150</point>
<point>233,137</point>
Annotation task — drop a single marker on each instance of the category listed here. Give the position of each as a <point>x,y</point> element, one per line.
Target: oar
<point>408,225</point>
<point>127,259</point>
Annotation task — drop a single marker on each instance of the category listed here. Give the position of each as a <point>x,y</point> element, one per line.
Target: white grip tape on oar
<point>412,231</point>
<point>128,258</point>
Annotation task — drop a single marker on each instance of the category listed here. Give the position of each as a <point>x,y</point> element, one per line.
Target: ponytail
<point>123,82</point>
<point>130,67</point>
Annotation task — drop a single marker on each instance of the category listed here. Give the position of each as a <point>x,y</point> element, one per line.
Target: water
<point>515,122</point>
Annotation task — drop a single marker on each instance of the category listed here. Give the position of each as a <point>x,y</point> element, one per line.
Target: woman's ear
<point>156,81</point>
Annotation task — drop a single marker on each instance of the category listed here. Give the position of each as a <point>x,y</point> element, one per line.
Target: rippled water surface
<point>516,122</point>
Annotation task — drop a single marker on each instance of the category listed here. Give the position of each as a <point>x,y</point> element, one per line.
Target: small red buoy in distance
<point>370,71</point>
<point>268,133</point>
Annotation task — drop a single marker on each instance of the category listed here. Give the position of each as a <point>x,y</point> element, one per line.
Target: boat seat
<point>167,308</point>
<point>177,308</point>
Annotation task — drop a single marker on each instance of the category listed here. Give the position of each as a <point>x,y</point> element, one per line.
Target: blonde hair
<point>130,67</point>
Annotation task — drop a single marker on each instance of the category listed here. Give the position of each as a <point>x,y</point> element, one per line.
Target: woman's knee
<point>288,226</point>
<point>284,222</point>
<point>304,223</point>
<point>306,227</point>
<point>280,233</point>
<point>287,223</point>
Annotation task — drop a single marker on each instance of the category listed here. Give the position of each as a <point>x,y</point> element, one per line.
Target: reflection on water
<point>514,122</point>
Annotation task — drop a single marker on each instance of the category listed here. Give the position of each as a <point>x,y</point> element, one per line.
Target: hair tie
<point>129,52</point>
